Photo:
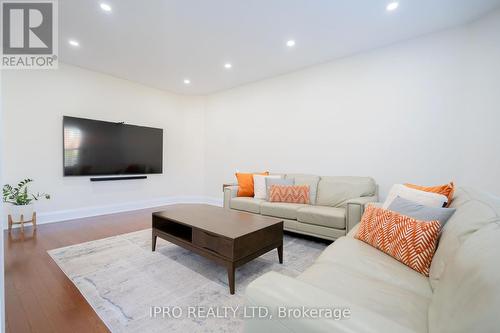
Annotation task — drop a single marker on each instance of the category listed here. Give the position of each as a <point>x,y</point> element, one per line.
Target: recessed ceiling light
<point>228,65</point>
<point>105,7</point>
<point>187,81</point>
<point>74,43</point>
<point>290,43</point>
<point>392,6</point>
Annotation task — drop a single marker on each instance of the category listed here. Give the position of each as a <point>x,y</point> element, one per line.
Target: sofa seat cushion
<point>358,290</point>
<point>247,204</point>
<point>366,260</point>
<point>325,216</point>
<point>273,290</point>
<point>281,209</point>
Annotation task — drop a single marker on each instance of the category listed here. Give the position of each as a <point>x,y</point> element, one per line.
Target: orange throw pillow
<point>298,194</point>
<point>406,239</point>
<point>245,183</point>
<point>447,190</point>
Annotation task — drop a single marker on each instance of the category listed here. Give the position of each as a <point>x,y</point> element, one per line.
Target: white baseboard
<point>72,214</point>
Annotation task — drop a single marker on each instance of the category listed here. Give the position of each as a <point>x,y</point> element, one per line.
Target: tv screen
<point>99,148</point>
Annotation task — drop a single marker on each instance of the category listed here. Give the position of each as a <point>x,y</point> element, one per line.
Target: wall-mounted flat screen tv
<point>100,148</point>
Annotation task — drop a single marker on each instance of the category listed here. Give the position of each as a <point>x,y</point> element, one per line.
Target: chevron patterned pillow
<point>410,241</point>
<point>298,194</point>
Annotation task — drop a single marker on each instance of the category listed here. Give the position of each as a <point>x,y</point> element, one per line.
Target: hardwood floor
<point>38,295</point>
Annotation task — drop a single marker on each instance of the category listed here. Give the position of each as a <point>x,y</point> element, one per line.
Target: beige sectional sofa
<point>337,204</point>
<point>461,294</point>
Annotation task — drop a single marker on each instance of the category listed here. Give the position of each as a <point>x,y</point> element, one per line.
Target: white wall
<point>34,104</point>
<point>423,111</point>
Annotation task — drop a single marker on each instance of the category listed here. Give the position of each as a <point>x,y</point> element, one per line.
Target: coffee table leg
<point>230,277</point>
<point>154,242</point>
<point>280,253</point>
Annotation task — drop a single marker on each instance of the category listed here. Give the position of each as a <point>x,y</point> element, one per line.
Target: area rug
<point>126,283</point>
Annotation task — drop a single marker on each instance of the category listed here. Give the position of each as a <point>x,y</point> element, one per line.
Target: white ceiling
<point>161,42</point>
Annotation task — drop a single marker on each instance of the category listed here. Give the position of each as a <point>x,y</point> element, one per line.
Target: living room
<point>203,166</point>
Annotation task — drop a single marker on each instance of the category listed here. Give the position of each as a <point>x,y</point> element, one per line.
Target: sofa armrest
<point>277,293</point>
<point>229,193</point>
<point>355,209</point>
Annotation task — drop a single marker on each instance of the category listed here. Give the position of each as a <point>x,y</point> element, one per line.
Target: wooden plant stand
<point>22,222</point>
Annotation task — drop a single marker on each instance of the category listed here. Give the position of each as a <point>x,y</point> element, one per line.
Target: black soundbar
<point>105,179</point>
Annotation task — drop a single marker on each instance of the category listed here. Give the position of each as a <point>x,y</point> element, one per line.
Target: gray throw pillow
<point>421,212</point>
<point>277,181</point>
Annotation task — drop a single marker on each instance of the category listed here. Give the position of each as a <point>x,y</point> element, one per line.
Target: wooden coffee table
<point>228,237</point>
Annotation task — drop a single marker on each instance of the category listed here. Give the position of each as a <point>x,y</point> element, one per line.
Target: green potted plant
<point>21,200</point>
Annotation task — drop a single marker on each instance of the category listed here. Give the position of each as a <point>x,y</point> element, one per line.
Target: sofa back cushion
<point>467,298</point>
<point>474,210</point>
<point>335,191</point>
<point>302,179</point>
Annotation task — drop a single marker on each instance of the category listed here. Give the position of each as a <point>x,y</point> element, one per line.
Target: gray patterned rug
<point>122,280</point>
